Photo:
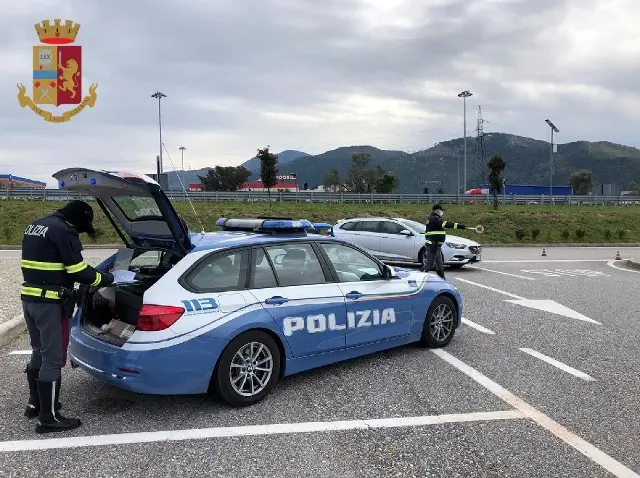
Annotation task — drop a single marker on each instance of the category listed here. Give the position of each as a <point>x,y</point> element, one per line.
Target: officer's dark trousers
<point>433,260</point>
<point>48,344</point>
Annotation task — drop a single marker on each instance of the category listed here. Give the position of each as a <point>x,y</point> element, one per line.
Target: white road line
<point>252,430</point>
<point>584,447</point>
<point>612,265</point>
<point>500,272</point>
<point>20,352</point>
<point>556,363</point>
<point>479,327</point>
<point>491,288</point>
<point>543,260</point>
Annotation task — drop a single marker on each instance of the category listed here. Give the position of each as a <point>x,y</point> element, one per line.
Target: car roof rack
<point>265,226</point>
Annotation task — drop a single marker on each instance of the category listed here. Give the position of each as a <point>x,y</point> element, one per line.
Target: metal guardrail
<point>329,197</point>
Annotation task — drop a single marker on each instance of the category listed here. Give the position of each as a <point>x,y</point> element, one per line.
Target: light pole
<point>159,95</point>
<point>553,128</point>
<point>182,148</point>
<point>464,95</point>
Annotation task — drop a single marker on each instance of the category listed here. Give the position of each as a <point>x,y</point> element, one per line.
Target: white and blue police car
<point>231,312</point>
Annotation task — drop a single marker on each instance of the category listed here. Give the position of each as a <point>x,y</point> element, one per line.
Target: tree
<point>634,187</point>
<point>496,169</point>
<point>268,169</point>
<point>225,178</point>
<point>581,181</point>
<point>331,181</point>
<point>357,174</point>
<point>386,183</point>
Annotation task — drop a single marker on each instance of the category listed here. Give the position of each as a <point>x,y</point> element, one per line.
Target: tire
<point>441,305</point>
<point>421,256</point>
<point>222,385</point>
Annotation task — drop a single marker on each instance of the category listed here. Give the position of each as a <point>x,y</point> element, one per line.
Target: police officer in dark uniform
<point>51,263</point>
<point>434,238</point>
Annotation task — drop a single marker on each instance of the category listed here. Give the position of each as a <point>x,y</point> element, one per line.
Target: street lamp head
<point>182,148</point>
<point>553,127</point>
<point>158,95</point>
<point>465,94</point>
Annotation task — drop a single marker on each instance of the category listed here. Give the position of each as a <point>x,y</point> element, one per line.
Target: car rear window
<point>137,208</point>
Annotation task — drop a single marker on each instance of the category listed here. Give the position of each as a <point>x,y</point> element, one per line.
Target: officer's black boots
<point>50,420</point>
<point>33,407</point>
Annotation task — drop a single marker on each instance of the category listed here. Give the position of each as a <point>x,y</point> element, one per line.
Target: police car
<point>231,312</point>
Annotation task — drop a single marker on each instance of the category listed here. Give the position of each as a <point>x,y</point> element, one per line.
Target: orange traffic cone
<point>544,253</point>
<point>618,257</point>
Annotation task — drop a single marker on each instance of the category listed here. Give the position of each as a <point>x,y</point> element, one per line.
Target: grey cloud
<point>297,56</point>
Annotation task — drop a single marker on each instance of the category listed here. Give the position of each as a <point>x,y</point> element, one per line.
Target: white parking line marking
<point>584,447</point>
<point>20,352</point>
<point>479,327</point>
<point>500,272</point>
<point>491,288</point>
<point>252,430</point>
<point>556,363</point>
<point>544,260</point>
<point>612,264</point>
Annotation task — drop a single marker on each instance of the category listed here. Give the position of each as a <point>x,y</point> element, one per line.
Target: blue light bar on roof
<point>257,225</point>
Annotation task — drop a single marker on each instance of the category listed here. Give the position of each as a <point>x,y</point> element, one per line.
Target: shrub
<point>580,233</point>
<point>621,233</point>
<point>607,235</point>
<point>535,233</point>
<point>8,232</point>
<point>565,235</point>
<point>520,234</point>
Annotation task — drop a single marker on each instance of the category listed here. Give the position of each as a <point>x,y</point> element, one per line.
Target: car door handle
<point>353,295</point>
<point>276,300</point>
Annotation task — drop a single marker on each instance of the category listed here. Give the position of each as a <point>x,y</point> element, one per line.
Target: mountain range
<point>527,162</point>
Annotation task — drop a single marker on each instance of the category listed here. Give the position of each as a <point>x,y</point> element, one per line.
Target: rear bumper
<point>177,370</point>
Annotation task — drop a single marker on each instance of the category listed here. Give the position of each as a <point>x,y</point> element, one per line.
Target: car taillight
<point>152,318</point>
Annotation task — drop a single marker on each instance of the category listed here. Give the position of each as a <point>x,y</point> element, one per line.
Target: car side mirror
<point>406,232</point>
<point>388,272</point>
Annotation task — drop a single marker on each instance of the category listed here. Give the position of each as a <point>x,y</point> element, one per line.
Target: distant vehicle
<point>393,239</point>
<point>228,313</point>
<point>529,190</point>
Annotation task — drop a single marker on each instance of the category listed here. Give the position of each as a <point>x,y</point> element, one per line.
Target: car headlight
<point>453,245</point>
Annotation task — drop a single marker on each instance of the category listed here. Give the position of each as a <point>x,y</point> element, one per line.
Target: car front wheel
<point>248,369</point>
<point>439,324</point>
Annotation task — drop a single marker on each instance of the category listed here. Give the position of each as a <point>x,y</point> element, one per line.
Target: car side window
<point>368,226</point>
<point>263,275</point>
<point>350,264</point>
<point>296,264</point>
<point>388,227</point>
<point>221,273</point>
<point>349,226</point>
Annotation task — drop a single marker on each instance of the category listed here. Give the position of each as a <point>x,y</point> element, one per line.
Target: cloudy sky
<point>314,75</point>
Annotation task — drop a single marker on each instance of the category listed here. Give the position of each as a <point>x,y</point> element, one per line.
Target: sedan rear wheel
<point>440,322</point>
<point>248,369</point>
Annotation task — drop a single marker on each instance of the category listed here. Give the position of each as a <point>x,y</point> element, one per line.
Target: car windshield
<point>416,226</point>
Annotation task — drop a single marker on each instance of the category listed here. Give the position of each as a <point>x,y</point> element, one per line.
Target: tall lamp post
<point>182,148</point>
<point>159,96</point>
<point>464,95</point>
<point>553,129</point>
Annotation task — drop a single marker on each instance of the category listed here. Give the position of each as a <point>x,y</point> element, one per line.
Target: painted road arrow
<point>544,305</point>
<point>553,307</point>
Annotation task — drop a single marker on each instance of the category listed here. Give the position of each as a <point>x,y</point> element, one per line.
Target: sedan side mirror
<point>406,232</point>
<point>388,272</point>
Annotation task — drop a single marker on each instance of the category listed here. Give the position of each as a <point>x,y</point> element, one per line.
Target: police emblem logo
<point>57,73</point>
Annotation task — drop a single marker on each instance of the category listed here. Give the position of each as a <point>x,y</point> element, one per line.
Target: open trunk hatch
<point>136,202</point>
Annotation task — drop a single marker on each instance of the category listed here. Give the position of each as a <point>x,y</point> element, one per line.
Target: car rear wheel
<point>439,324</point>
<point>248,369</point>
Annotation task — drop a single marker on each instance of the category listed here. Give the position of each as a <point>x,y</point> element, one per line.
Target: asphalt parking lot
<point>543,380</point>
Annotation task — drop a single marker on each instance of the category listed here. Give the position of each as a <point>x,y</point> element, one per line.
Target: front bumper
<point>468,255</point>
<point>177,370</point>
